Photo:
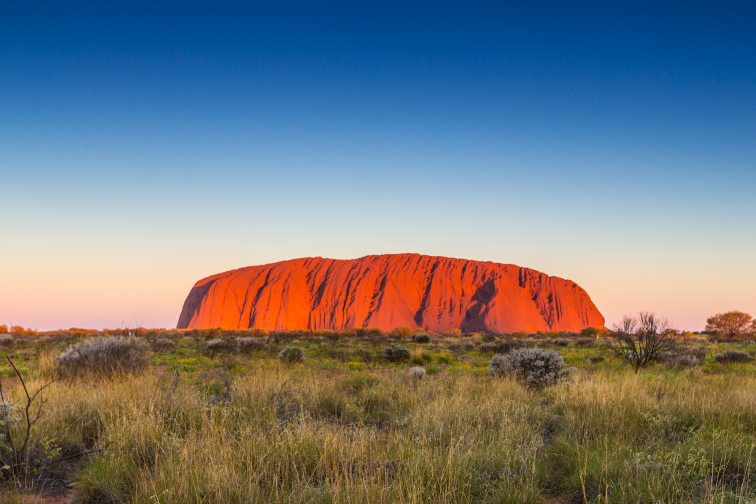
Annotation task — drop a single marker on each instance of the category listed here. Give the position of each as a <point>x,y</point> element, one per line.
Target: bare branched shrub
<point>733,356</point>
<point>641,340</point>
<point>104,356</point>
<point>396,353</point>
<point>291,354</point>
<point>533,367</point>
<point>16,424</point>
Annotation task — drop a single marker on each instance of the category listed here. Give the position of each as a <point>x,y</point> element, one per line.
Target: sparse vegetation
<point>349,426</point>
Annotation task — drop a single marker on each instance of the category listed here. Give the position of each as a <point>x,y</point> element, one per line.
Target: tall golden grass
<point>284,433</point>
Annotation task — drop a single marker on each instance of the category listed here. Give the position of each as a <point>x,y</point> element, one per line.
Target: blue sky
<point>142,148</point>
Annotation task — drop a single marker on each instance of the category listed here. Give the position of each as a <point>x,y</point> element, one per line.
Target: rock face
<point>387,291</point>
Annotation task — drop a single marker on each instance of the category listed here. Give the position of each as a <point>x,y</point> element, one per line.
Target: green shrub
<point>291,354</point>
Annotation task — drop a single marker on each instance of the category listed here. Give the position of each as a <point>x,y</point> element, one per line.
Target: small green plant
<point>422,358</point>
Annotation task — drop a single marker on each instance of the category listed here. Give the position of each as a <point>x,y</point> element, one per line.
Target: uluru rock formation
<point>387,291</point>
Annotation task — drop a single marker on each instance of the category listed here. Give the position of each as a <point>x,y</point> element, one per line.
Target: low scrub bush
<point>396,353</point>
<point>104,356</point>
<point>535,368</point>
<point>499,347</point>
<point>733,356</point>
<point>682,357</point>
<point>219,345</point>
<point>251,344</point>
<point>421,338</point>
<point>463,347</point>
<point>291,354</point>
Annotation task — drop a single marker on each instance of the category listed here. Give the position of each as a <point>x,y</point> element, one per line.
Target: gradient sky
<point>142,149</point>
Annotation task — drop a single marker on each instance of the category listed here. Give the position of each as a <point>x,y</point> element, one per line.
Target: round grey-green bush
<point>535,368</point>
<point>104,355</point>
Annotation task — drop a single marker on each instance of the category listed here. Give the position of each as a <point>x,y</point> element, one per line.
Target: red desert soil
<point>387,291</point>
